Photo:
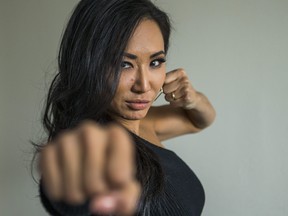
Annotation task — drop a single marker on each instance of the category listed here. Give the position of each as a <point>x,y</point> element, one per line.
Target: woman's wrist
<point>201,113</point>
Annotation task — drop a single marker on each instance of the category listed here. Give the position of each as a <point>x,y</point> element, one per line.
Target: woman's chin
<point>135,115</point>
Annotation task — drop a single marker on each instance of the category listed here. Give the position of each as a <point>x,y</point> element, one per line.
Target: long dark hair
<point>89,61</point>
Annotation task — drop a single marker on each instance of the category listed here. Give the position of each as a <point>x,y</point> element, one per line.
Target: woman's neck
<point>131,125</point>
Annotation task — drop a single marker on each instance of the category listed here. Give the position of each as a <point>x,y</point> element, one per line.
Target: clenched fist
<point>179,91</point>
<point>92,163</point>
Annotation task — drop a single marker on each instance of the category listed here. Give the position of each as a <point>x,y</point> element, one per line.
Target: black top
<point>181,184</point>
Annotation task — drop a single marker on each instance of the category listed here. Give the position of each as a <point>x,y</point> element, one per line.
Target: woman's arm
<point>189,111</point>
<point>202,114</point>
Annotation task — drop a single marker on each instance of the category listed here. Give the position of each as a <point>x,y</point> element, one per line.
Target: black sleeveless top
<point>180,181</point>
<point>182,186</point>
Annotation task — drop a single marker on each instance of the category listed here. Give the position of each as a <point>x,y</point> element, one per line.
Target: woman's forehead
<point>147,38</point>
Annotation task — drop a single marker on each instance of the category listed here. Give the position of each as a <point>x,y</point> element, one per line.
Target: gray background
<point>235,52</point>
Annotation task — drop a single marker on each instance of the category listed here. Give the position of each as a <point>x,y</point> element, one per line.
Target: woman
<point>104,153</point>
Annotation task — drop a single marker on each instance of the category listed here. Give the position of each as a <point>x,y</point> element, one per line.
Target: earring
<point>160,92</point>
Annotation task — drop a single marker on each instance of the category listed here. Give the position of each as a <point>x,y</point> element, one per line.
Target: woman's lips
<point>138,104</point>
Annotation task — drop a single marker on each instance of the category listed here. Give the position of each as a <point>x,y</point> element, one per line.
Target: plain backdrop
<point>235,52</point>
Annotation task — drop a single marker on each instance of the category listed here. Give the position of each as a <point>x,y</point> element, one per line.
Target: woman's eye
<point>157,62</point>
<point>126,65</point>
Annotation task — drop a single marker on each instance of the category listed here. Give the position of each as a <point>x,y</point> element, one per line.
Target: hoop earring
<point>160,92</point>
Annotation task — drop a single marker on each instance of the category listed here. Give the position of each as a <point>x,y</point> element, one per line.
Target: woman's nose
<point>142,82</point>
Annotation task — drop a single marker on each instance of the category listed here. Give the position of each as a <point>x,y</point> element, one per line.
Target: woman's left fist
<point>179,91</point>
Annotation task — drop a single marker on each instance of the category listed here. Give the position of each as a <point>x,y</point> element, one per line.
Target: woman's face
<point>143,72</point>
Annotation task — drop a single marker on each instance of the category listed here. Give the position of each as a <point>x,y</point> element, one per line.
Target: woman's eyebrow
<point>132,56</point>
<point>157,53</point>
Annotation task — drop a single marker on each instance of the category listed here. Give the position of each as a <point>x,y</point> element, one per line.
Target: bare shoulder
<point>169,122</point>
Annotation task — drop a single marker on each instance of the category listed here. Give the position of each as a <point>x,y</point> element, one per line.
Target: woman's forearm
<point>203,114</point>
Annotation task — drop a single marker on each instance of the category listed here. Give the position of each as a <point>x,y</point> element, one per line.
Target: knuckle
<point>185,81</point>
<point>62,144</point>
<point>90,143</point>
<point>186,91</point>
<point>64,139</point>
<point>88,127</point>
<point>187,97</point>
<point>181,71</point>
<point>92,134</point>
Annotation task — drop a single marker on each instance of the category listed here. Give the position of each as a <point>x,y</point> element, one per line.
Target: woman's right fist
<point>95,163</point>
